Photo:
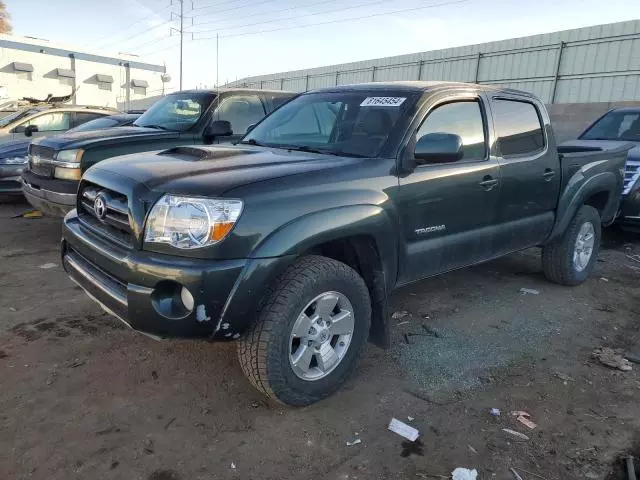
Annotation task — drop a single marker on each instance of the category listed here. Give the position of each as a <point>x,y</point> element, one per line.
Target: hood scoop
<point>206,153</point>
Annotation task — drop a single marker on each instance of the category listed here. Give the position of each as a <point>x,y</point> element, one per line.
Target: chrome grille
<point>113,220</point>
<point>631,174</point>
<point>40,160</point>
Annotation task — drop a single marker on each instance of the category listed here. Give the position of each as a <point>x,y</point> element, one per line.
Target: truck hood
<point>114,134</point>
<point>207,171</point>
<point>17,148</point>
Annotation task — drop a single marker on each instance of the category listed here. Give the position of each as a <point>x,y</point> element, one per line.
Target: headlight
<point>64,173</point>
<point>70,156</point>
<point>186,222</point>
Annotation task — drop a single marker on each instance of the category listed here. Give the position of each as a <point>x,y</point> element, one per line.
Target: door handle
<point>548,174</point>
<point>488,182</point>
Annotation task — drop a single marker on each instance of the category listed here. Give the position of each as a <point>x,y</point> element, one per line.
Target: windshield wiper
<point>300,148</point>
<point>157,127</point>
<point>251,141</point>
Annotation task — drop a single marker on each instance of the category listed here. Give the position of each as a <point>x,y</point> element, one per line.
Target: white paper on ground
<point>403,430</point>
<point>464,474</point>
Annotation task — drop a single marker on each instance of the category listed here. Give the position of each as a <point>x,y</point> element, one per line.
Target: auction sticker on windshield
<point>383,101</point>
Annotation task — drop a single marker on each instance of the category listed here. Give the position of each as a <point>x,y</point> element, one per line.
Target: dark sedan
<point>13,155</point>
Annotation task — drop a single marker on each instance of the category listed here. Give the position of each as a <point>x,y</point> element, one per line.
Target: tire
<point>558,260</point>
<point>266,351</point>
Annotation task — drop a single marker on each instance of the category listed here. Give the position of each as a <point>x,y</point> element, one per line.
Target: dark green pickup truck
<point>292,240</point>
<point>56,163</point>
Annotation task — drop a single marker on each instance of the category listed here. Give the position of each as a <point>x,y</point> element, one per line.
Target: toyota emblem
<point>100,207</point>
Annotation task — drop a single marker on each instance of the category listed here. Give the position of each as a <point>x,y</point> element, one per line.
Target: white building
<point>37,68</point>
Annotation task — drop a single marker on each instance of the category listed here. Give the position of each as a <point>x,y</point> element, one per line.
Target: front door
<point>48,123</point>
<point>448,209</point>
<point>530,173</point>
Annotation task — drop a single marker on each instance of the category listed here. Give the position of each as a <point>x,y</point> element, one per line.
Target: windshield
<point>615,126</point>
<point>97,124</point>
<point>12,117</point>
<point>177,112</point>
<point>358,124</point>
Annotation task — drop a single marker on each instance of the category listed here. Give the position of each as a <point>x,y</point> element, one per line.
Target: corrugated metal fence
<point>591,64</point>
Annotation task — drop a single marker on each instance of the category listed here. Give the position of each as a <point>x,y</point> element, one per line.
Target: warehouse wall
<point>46,58</point>
<point>591,64</point>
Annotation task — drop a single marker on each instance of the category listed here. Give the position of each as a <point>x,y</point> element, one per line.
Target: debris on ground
<point>515,474</point>
<point>47,266</point>
<point>513,433</point>
<point>355,442</point>
<point>604,279</point>
<point>523,417</point>
<point>495,412</point>
<point>403,430</point>
<point>606,308</point>
<point>76,363</point>
<point>609,358</point>
<point>410,419</point>
<point>402,323</point>
<point>431,331</point>
<point>233,466</point>
<point>464,474</point>
<point>29,214</point>
<point>12,309</point>
<point>529,291</point>
<point>634,257</point>
<point>472,450</point>
<point>400,314</point>
<point>633,357</point>
<point>564,377</point>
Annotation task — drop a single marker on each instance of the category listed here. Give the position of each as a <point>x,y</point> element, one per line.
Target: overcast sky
<point>256,35</point>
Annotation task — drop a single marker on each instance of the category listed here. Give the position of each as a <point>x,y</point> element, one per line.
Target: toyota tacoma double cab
<point>50,180</point>
<point>291,241</point>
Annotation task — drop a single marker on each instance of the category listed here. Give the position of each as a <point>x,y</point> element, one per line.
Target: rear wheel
<point>309,333</point>
<point>570,259</point>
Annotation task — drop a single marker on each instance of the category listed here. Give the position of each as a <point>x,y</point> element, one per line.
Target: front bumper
<point>140,288</point>
<point>629,217</point>
<point>50,196</point>
<point>10,182</point>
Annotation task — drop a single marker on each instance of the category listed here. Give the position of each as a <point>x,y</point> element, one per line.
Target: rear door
<point>447,209</point>
<point>530,173</point>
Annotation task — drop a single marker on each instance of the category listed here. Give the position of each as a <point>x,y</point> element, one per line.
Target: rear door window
<point>518,127</point>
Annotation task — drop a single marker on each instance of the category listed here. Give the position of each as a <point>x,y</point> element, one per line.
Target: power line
<point>115,32</point>
<point>239,7</point>
<point>305,15</point>
<point>270,13</point>
<point>216,4</point>
<point>115,42</point>
<point>342,20</point>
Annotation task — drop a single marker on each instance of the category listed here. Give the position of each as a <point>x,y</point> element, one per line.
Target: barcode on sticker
<point>383,101</point>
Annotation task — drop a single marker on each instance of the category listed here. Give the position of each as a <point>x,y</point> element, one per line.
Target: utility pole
<point>181,37</point>
<point>180,32</point>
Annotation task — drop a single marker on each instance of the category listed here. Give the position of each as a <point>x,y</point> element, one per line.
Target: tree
<point>5,24</point>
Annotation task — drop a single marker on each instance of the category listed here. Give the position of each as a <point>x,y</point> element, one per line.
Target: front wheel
<point>309,332</point>
<point>570,259</point>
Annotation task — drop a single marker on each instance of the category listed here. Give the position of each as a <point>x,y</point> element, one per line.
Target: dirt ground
<point>82,397</point>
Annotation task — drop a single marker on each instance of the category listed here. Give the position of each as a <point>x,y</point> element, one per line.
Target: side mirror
<point>30,130</point>
<point>438,148</point>
<point>218,128</point>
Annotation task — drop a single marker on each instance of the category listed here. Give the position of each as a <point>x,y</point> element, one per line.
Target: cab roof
<point>421,87</point>
<point>235,90</point>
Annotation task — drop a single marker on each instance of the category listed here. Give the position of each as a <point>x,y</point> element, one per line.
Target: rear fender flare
<point>578,189</point>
